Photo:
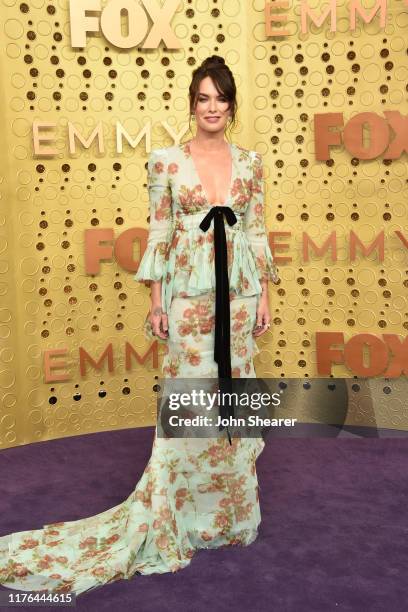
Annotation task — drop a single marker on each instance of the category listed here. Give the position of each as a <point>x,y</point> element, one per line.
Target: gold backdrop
<point>48,300</point>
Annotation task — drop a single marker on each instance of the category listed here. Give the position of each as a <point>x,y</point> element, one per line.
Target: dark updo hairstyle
<point>222,77</point>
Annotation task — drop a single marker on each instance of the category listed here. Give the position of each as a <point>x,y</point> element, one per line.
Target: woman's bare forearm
<point>155,294</point>
<point>157,317</point>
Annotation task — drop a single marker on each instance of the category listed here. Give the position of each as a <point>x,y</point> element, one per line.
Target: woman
<point>208,263</point>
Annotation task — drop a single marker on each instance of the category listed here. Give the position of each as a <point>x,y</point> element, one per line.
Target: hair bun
<point>213,60</point>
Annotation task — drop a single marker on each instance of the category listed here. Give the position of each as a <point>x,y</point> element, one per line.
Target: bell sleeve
<point>152,264</point>
<point>254,225</point>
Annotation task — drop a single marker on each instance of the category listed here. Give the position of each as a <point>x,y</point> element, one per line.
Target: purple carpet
<point>334,534</point>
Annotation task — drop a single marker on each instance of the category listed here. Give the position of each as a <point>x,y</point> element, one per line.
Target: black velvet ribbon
<point>222,340</point>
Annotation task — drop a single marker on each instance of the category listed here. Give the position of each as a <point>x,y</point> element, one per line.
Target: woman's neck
<point>210,143</point>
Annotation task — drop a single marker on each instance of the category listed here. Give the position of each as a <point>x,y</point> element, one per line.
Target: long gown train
<point>194,493</point>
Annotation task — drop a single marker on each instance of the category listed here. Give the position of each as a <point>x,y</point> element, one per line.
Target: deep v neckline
<point>195,171</point>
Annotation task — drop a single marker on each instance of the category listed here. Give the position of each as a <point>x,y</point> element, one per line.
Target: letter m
<point>84,356</point>
<point>355,7</point>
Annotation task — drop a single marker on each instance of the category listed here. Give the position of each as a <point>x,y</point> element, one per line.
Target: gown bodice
<point>178,252</point>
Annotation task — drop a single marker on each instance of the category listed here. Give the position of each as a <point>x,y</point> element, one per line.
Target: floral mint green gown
<point>194,493</point>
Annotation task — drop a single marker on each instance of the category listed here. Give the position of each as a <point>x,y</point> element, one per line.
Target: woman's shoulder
<point>249,154</point>
<point>157,153</point>
<point>167,153</point>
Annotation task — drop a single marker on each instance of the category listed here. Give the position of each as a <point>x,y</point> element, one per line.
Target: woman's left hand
<point>263,317</point>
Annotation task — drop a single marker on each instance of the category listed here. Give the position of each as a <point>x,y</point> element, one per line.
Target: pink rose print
<point>158,167</point>
<point>172,168</point>
<point>162,542</point>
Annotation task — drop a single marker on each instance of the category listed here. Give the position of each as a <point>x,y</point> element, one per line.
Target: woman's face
<point>211,110</point>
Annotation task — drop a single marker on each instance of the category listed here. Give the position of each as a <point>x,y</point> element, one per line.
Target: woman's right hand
<point>159,322</point>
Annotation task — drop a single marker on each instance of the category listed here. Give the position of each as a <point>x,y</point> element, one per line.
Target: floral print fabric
<point>189,350</point>
<point>194,493</point>
<point>178,252</point>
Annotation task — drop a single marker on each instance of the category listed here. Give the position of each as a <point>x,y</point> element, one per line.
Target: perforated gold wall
<point>47,299</point>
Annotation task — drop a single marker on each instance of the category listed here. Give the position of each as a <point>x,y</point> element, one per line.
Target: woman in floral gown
<point>194,493</point>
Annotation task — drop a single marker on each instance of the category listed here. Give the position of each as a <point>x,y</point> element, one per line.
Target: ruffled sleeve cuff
<point>153,263</point>
<point>264,262</point>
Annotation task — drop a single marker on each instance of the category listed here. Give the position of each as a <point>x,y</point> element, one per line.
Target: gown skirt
<point>194,492</point>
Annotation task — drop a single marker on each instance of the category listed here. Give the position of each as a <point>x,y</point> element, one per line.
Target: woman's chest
<point>215,173</point>
<point>189,194</point>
